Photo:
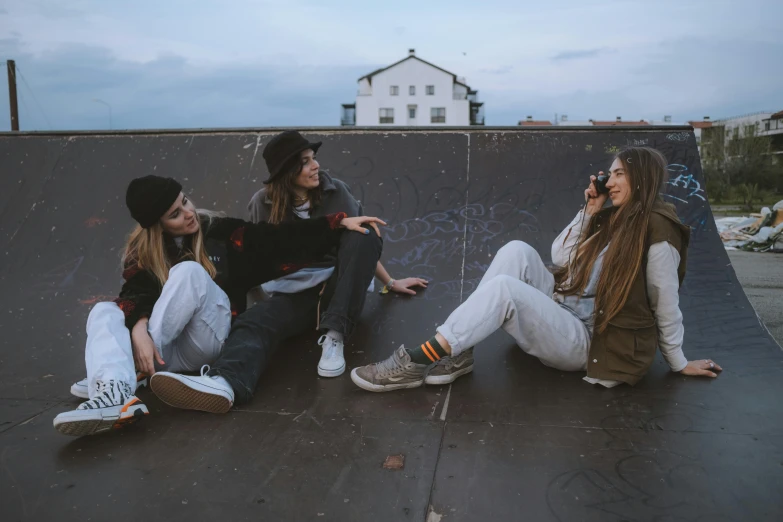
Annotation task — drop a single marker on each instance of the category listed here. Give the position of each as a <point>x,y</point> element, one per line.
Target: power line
<point>34,98</point>
<point>24,104</point>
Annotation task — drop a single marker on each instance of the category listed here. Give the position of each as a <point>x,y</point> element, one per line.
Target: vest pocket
<point>630,350</point>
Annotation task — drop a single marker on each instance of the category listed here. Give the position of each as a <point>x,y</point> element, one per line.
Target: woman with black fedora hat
<point>187,273</point>
<point>327,295</point>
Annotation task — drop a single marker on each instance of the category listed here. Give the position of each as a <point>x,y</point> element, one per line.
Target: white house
<point>412,93</point>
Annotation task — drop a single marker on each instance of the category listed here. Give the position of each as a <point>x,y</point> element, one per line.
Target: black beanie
<point>148,198</point>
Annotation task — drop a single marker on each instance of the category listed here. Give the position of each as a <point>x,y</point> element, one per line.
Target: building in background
<point>715,135</point>
<point>773,127</point>
<point>698,126</point>
<point>413,93</point>
<point>530,122</point>
<point>563,120</point>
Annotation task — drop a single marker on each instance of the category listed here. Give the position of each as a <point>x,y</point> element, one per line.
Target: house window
<point>394,90</point>
<point>412,113</point>
<point>438,115</point>
<point>430,90</point>
<point>766,126</point>
<point>412,90</point>
<point>387,115</point>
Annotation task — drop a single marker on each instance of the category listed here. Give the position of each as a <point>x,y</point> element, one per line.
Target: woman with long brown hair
<point>187,273</point>
<point>327,295</point>
<point>612,299</point>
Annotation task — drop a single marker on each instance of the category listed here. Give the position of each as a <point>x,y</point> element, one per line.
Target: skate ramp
<point>514,440</point>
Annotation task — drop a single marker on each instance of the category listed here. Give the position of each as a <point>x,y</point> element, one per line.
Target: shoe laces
<point>329,345</point>
<point>205,370</point>
<point>110,393</point>
<point>393,364</point>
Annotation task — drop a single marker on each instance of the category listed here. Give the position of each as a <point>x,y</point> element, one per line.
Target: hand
<point>355,224</point>
<point>403,286</point>
<point>145,353</point>
<point>595,201</point>
<point>704,367</point>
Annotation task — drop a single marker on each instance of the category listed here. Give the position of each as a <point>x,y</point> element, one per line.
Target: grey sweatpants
<point>516,294</point>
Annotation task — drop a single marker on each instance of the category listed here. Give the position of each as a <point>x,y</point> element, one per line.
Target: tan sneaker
<point>395,373</point>
<point>449,368</point>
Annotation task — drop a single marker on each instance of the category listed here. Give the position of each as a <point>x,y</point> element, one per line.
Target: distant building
<point>698,126</point>
<point>774,124</point>
<point>764,123</point>
<point>412,93</point>
<point>563,120</point>
<point>530,122</point>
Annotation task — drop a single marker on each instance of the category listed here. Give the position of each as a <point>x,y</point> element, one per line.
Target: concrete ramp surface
<point>515,440</point>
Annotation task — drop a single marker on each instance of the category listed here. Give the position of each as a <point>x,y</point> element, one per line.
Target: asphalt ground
<point>761,276</point>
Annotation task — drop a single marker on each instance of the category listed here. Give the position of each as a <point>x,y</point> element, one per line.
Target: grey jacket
<point>336,197</point>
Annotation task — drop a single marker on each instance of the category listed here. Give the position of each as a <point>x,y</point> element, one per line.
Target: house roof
<point>610,123</point>
<point>700,124</point>
<point>778,115</point>
<point>533,123</point>
<point>412,57</point>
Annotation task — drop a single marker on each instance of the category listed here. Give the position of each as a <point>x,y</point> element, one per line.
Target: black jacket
<point>244,254</point>
<point>336,196</point>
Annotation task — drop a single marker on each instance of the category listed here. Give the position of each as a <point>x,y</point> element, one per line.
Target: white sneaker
<point>203,393</point>
<point>113,407</point>
<point>80,389</point>
<point>332,362</point>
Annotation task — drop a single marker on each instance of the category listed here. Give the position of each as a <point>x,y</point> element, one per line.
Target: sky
<point>257,63</point>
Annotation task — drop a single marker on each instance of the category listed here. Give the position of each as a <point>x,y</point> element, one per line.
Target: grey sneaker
<point>395,373</point>
<point>449,368</point>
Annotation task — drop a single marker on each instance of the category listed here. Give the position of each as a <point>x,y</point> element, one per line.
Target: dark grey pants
<point>257,333</point>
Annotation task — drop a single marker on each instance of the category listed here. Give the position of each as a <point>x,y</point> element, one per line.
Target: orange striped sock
<point>427,353</point>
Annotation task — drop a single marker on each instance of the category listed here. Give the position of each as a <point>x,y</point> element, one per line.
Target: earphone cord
<point>576,244</point>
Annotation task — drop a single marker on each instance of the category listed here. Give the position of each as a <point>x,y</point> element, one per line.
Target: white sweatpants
<point>189,323</point>
<point>516,294</point>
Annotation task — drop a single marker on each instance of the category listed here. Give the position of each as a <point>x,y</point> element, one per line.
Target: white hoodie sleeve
<point>663,287</point>
<point>564,246</point>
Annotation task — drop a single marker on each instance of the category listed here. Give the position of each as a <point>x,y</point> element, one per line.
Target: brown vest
<point>625,350</point>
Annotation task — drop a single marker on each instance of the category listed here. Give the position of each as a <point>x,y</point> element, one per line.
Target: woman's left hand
<point>403,286</point>
<point>703,367</point>
<point>355,224</point>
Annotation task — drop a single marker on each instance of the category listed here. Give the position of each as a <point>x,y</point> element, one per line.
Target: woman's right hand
<point>145,353</point>
<point>594,201</point>
<point>355,224</point>
<point>703,368</point>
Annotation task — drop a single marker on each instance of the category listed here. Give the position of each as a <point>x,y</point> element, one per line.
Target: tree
<point>741,158</point>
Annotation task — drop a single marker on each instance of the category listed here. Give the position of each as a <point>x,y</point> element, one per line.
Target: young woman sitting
<point>612,300</point>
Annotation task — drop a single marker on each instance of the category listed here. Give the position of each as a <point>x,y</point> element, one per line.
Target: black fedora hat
<point>282,148</point>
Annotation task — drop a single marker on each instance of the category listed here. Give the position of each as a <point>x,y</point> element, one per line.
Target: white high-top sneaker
<point>80,389</point>
<point>332,362</point>
<point>113,407</point>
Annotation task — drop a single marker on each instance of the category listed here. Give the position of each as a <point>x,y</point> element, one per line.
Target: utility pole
<point>12,95</point>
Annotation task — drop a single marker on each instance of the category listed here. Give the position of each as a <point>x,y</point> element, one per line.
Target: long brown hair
<point>146,248</point>
<point>282,191</point>
<point>645,169</point>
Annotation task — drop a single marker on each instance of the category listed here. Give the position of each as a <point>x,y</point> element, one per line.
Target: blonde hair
<point>146,249</point>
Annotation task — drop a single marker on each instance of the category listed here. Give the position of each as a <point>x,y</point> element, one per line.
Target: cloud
<point>505,69</point>
<point>578,55</point>
<point>170,92</point>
